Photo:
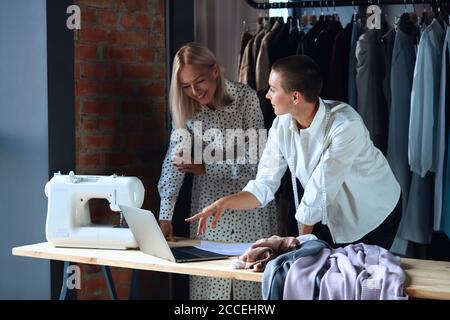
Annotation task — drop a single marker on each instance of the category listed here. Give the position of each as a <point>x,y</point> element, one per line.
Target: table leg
<point>134,284</point>
<point>109,282</point>
<point>63,293</point>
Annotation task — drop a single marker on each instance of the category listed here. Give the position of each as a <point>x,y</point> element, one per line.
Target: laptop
<point>151,240</point>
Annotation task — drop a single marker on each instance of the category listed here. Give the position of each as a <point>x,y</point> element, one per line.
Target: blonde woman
<point>202,99</point>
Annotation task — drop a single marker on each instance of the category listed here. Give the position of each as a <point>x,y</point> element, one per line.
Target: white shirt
<point>345,177</point>
<point>425,101</point>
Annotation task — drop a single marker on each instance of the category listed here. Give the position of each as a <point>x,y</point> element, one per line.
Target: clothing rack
<point>334,3</point>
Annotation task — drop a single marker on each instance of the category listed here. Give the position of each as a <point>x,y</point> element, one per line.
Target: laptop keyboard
<point>181,253</point>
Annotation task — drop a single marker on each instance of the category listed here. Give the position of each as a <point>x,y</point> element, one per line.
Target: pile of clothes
<point>306,268</point>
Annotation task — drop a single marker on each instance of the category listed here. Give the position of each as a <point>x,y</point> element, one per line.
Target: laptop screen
<point>151,240</point>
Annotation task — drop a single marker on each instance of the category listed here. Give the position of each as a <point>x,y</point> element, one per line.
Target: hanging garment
<point>246,70</point>
<point>402,72</point>
<point>301,36</point>
<point>370,72</point>
<point>387,42</point>
<point>263,62</point>
<point>257,42</point>
<point>280,45</point>
<point>266,108</point>
<point>324,44</point>
<point>441,137</point>
<point>417,222</point>
<point>245,38</point>
<point>309,40</point>
<point>337,88</point>
<point>443,218</point>
<point>425,100</point>
<point>221,179</point>
<point>292,44</point>
<point>352,91</point>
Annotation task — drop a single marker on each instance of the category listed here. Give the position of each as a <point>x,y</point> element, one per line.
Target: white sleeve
<point>271,169</point>
<point>424,102</point>
<point>345,144</point>
<point>171,179</point>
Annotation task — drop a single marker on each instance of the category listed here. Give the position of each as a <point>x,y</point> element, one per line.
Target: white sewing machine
<point>68,218</point>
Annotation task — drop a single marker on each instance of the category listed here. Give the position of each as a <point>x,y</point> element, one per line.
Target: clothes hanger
<point>335,14</point>
<point>305,19</point>
<point>313,17</point>
<point>244,26</point>
<point>413,14</point>
<point>297,25</point>
<point>328,9</point>
<point>355,14</point>
<point>424,18</point>
<point>406,24</point>
<point>328,17</point>
<point>442,15</point>
<point>264,19</point>
<point>398,19</point>
<point>430,13</point>
<point>322,15</point>
<point>292,23</point>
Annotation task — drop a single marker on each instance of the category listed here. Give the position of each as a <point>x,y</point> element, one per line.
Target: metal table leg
<point>109,282</point>
<point>134,284</point>
<point>63,293</point>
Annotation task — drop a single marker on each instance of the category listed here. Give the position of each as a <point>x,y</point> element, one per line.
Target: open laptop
<point>151,240</point>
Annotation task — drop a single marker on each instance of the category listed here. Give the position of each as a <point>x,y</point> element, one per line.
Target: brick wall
<point>120,108</point>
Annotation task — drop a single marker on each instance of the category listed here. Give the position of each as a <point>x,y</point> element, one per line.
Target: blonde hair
<point>182,107</point>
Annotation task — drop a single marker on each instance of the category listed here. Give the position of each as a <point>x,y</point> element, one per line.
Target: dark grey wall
<point>61,108</point>
<point>179,30</point>
<point>23,146</point>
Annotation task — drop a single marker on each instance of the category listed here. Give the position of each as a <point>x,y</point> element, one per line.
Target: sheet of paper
<point>231,249</point>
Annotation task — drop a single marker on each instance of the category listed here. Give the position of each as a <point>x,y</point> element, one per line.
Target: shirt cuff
<point>166,209</point>
<point>261,192</point>
<point>308,215</point>
<point>306,237</point>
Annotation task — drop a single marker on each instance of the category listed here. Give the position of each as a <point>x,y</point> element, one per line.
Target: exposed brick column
<point>120,106</point>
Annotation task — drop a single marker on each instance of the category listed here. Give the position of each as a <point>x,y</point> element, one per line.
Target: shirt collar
<point>316,124</point>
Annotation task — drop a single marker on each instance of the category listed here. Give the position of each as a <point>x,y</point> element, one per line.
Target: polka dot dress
<point>221,179</point>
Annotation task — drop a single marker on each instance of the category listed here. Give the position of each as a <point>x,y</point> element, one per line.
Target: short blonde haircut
<point>182,107</point>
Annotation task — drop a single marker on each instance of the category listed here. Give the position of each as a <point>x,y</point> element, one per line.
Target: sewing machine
<point>68,218</point>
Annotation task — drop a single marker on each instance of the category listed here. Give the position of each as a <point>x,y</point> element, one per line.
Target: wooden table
<point>425,278</point>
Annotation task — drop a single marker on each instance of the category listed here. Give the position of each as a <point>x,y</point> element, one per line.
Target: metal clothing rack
<point>335,3</point>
